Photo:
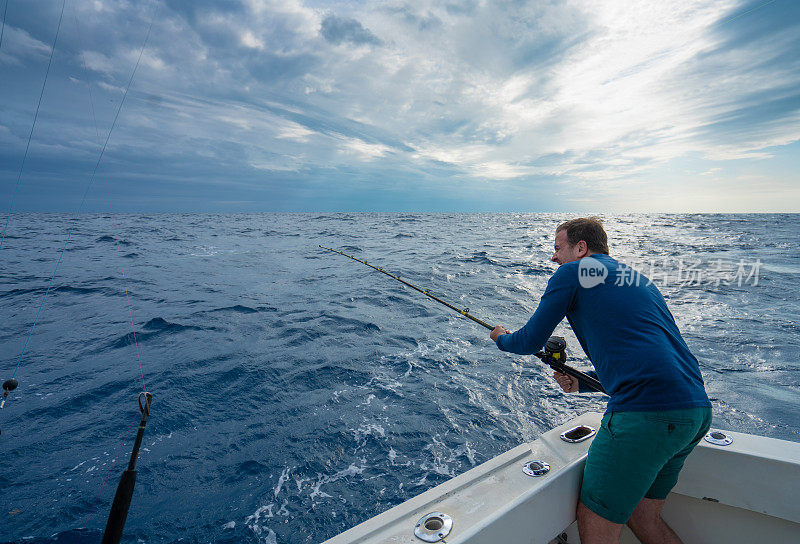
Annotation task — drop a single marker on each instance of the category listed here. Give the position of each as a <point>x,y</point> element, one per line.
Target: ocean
<point>297,393</point>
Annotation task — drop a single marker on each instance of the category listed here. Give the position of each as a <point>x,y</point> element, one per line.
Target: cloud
<point>338,30</point>
<point>19,45</point>
<point>294,131</point>
<point>364,150</point>
<point>588,94</point>
<point>425,21</point>
<point>94,60</point>
<point>249,39</point>
<point>464,7</point>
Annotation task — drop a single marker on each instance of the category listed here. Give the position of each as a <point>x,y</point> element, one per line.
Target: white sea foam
<point>322,479</point>
<point>282,479</point>
<point>255,523</point>
<point>301,482</point>
<point>369,429</point>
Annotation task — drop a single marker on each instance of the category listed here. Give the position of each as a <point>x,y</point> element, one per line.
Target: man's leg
<point>596,529</point>
<point>648,525</point>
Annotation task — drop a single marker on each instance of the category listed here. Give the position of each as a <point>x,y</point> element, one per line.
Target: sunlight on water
<point>295,387</point>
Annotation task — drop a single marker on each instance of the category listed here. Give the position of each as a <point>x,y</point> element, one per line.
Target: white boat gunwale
<point>751,484</point>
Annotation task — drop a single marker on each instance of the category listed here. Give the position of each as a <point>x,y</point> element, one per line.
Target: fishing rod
<point>554,353</point>
<point>122,498</point>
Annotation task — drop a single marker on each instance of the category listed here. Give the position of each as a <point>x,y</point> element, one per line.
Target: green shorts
<point>636,455</point>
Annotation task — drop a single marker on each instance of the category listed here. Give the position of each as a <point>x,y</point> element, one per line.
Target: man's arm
<point>553,306</point>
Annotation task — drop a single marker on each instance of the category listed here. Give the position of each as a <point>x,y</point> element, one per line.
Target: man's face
<point>566,252</point>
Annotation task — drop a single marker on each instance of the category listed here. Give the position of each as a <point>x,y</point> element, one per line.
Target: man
<point>658,410</point>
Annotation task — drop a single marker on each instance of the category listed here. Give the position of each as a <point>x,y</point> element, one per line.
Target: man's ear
<point>583,248</point>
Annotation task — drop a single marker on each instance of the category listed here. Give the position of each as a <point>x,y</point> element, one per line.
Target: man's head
<point>577,238</point>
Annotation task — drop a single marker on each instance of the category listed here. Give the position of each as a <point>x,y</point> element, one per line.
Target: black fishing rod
<point>553,355</point>
<point>124,494</point>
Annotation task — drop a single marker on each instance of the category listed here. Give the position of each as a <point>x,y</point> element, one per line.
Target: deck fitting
<point>719,438</point>
<point>535,468</point>
<point>433,527</point>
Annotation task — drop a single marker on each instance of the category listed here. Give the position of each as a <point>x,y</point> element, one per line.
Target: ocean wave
<point>238,308</point>
<point>156,327</point>
<point>69,289</point>
<point>107,238</point>
<point>296,394</point>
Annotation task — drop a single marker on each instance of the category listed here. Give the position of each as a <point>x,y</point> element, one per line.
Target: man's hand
<point>567,382</point>
<point>498,330</point>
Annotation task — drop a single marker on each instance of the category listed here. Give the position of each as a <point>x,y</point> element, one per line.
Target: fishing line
<point>12,381</point>
<point>124,493</point>
<point>554,353</point>
<point>120,505</point>
<point>745,13</point>
<point>425,292</point>
<point>92,509</point>
<point>35,116</point>
<point>3,29</point>
<point>111,213</point>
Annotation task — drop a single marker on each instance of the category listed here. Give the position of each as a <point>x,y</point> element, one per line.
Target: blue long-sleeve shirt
<point>623,324</point>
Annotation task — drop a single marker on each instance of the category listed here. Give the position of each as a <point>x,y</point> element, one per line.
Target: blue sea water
<point>298,393</point>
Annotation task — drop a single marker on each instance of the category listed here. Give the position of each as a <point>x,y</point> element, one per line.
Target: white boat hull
<point>746,492</point>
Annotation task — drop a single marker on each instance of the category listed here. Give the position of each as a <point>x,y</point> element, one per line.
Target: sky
<point>618,106</point>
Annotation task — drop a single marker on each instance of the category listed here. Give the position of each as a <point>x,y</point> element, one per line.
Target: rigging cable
<point>118,513</point>
<point>111,213</point>
<point>126,435</point>
<point>83,200</point>
<point>35,116</point>
<point>746,12</point>
<point>3,29</point>
<point>124,492</point>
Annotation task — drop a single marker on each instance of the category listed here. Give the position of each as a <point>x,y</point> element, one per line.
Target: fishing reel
<point>555,356</point>
<point>555,349</point>
<point>8,387</point>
